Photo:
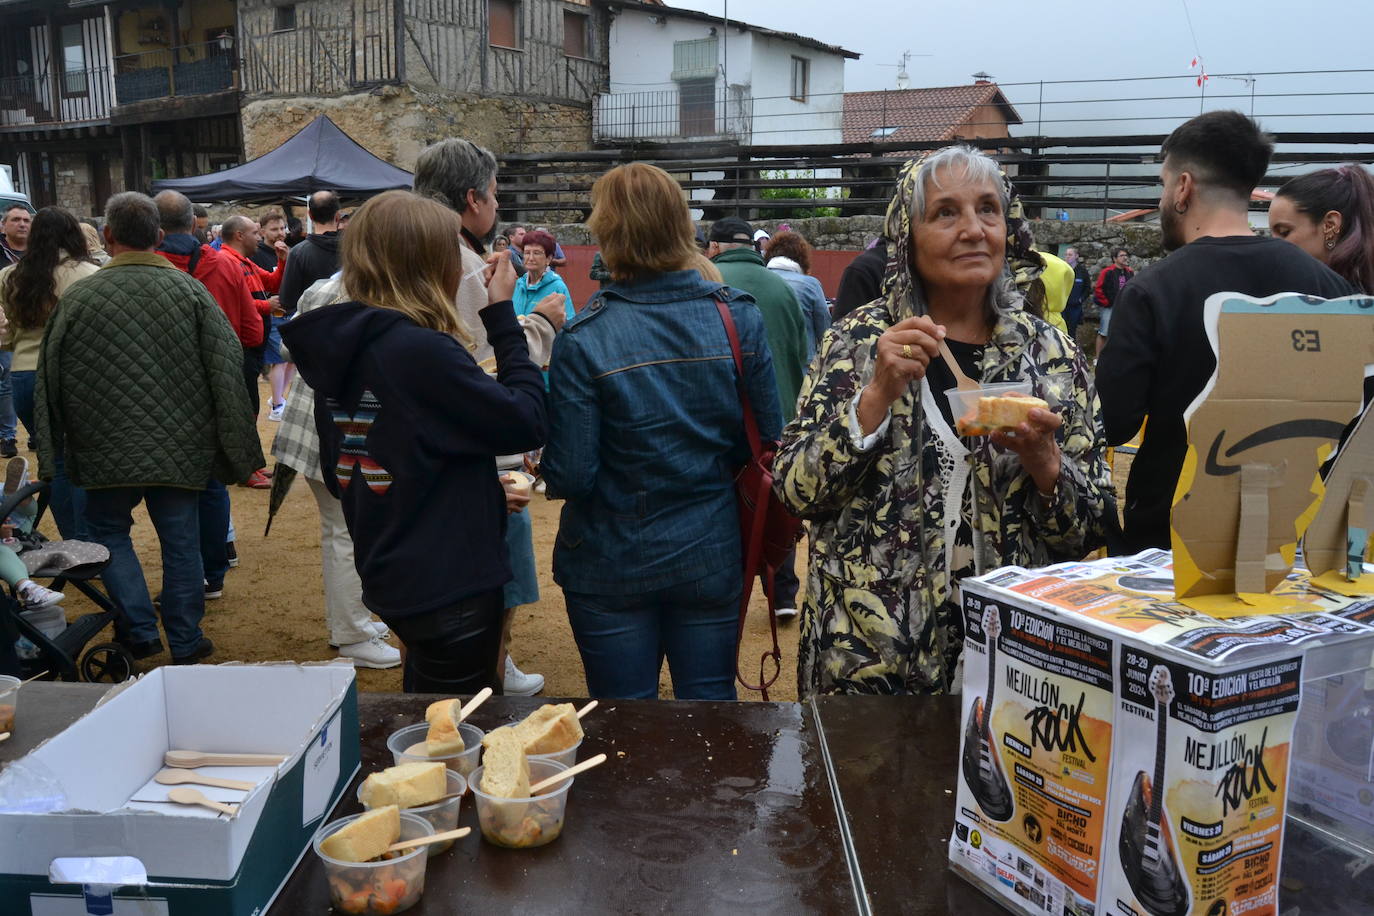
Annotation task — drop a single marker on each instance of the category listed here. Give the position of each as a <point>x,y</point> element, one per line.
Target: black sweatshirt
<point>409,430</point>
<point>862,280</point>
<point>1158,359</point>
<point>313,259</point>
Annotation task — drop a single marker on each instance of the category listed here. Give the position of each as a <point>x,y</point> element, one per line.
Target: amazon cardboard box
<point>84,828</point>
<point>1125,754</point>
<point>1288,380</point>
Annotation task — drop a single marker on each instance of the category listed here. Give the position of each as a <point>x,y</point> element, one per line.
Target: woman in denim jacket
<point>647,431</point>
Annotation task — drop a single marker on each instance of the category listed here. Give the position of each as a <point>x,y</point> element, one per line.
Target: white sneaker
<point>519,684</point>
<point>275,416</point>
<point>785,613</point>
<point>34,596</point>
<point>371,654</point>
<point>378,629</point>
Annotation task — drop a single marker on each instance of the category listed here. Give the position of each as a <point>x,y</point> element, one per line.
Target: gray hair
<point>447,170</point>
<point>176,212</point>
<point>133,220</point>
<point>234,225</point>
<point>969,163</point>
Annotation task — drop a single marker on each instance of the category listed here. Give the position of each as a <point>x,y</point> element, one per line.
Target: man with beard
<point>1158,358</point>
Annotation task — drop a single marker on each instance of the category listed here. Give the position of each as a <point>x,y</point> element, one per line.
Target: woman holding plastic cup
<point>902,507</point>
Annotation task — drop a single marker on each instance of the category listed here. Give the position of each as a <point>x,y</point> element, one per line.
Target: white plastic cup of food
<point>382,887</point>
<point>523,823</point>
<point>965,403</point>
<point>9,702</point>
<point>442,815</point>
<point>407,746</point>
<point>567,756</point>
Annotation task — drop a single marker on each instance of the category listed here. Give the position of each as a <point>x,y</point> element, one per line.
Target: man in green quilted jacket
<point>140,393</point>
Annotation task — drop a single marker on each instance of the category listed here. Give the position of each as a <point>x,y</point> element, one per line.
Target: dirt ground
<point>273,609</point>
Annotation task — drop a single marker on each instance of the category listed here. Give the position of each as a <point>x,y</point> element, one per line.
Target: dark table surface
<point>46,708</point>
<point>701,808</point>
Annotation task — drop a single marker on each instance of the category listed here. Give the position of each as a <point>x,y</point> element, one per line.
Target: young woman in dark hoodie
<point>410,426</point>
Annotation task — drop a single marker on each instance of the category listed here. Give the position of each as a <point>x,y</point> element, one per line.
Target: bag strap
<point>751,426</point>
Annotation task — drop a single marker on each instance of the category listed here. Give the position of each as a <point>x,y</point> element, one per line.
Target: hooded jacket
<point>409,429</point>
<point>313,259</point>
<point>896,521</point>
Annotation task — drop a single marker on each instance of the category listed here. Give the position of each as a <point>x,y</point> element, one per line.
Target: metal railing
<point>71,96</point>
<point>672,114</point>
<point>184,70</point>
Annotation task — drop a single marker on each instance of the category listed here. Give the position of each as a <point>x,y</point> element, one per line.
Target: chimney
<point>982,79</point>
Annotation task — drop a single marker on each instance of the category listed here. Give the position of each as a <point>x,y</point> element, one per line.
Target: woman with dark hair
<point>789,256</point>
<point>1330,215</point>
<point>58,255</point>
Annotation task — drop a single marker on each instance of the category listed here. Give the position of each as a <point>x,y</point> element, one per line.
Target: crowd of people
<point>438,359</point>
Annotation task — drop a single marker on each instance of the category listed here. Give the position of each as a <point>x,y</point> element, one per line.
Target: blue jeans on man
<point>175,515</point>
<point>214,533</point>
<point>623,639</point>
<point>67,501</point>
<point>8,423</point>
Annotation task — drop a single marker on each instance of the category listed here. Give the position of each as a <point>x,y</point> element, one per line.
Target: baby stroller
<point>65,655</point>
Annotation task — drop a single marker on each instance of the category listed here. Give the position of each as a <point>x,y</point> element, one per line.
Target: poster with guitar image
<point>1200,775</point>
<point>1034,781</point>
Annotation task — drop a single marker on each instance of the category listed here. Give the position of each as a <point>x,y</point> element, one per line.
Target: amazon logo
<point>1290,429</point>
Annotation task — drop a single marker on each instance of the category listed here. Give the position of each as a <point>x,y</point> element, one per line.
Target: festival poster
<point>1035,757</point>
<point>1200,776</point>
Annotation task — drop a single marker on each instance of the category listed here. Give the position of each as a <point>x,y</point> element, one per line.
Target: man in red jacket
<point>1109,283</point>
<point>240,237</point>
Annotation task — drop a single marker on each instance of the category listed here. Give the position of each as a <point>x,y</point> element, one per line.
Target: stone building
<point>97,96</point>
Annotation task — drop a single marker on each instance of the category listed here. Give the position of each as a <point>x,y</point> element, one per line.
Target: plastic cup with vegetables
<point>442,815</point>
<point>408,746</point>
<point>380,887</point>
<point>525,822</point>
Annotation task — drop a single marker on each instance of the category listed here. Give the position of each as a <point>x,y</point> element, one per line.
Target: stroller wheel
<point>107,663</point>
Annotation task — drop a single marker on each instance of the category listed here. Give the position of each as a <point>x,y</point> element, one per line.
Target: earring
<point>1330,244</point>
<point>1180,210</point>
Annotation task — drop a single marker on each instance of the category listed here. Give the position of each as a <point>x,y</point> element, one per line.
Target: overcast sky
<point>1018,42</point>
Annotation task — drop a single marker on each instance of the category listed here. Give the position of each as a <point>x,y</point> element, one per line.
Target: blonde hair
<point>640,219</point>
<point>707,268</point>
<point>402,252</point>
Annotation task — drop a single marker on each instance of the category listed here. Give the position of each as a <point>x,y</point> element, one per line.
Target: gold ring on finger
<point>906,351</point>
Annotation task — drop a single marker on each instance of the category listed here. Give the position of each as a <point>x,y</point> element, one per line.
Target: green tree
<point>806,194</point>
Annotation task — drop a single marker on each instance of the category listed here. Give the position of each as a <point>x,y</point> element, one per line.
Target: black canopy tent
<point>320,157</point>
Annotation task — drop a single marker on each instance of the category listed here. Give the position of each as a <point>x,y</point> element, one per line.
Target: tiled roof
<point>658,7</point>
<point>918,114</point>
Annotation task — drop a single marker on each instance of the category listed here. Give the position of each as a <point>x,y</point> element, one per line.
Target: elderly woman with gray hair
<point>901,506</point>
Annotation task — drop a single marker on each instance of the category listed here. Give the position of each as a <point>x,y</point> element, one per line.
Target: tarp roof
<point>321,157</point>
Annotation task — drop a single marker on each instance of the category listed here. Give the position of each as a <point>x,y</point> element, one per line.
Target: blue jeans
<point>8,428</point>
<point>175,516</point>
<point>623,639</point>
<point>214,532</point>
<point>68,501</point>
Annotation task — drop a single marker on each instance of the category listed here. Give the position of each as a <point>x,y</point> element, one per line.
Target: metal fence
<point>50,98</point>
<point>185,70</point>
<point>686,113</point>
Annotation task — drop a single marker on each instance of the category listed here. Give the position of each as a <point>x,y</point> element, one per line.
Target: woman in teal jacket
<point>539,280</point>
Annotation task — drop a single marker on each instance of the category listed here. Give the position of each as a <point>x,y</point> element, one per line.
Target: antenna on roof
<point>903,78</point>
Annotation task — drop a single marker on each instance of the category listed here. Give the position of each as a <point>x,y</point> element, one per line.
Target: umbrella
<point>282,478</point>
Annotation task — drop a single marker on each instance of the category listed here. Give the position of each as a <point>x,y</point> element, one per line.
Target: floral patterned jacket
<point>886,524</point>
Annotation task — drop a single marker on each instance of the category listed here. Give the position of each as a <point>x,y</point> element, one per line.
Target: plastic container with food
<point>524,822</point>
<point>9,702</point>
<point>567,756</point>
<point>442,815</point>
<point>964,404</point>
<point>382,887</point>
<point>408,746</point>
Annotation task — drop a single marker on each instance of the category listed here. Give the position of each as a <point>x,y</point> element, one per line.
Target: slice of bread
<point>505,769</point>
<point>551,728</point>
<point>1007,412</point>
<point>409,785</point>
<point>366,838</point>
<point>439,708</point>
<point>443,737</point>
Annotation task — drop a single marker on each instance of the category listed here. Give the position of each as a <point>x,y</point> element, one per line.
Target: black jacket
<point>410,428</point>
<point>314,259</point>
<point>862,281</point>
<point>1158,359</point>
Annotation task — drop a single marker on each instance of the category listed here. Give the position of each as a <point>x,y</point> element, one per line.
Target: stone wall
<point>1094,240</point>
<point>72,182</point>
<point>396,122</point>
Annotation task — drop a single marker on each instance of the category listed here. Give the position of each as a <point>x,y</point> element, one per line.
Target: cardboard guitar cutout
<point>1289,376</point>
<point>1337,542</point>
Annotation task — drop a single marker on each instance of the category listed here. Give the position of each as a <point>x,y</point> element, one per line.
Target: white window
<point>801,78</point>
<point>73,61</point>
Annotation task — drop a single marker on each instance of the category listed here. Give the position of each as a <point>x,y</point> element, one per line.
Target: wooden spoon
<point>188,796</point>
<point>570,772</point>
<point>427,840</point>
<point>4,736</point>
<point>192,759</point>
<point>586,709</point>
<point>962,381</point>
<point>183,777</point>
<point>477,700</point>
